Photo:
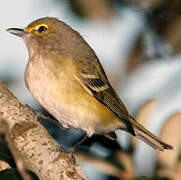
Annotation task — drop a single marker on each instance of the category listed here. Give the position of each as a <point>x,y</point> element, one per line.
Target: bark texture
<point>34,144</point>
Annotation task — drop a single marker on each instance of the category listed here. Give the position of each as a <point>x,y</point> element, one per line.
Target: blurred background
<point>138,43</point>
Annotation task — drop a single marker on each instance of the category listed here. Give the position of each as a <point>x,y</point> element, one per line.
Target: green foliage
<point>7,158</point>
<point>152,178</point>
<point>13,174</point>
<point>9,174</point>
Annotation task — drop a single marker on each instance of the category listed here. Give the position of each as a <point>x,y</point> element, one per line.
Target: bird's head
<point>50,35</point>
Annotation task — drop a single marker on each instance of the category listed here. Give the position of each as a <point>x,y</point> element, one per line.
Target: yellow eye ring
<point>37,29</point>
<point>42,29</point>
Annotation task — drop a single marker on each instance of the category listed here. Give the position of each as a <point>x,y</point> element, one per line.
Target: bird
<point>66,77</point>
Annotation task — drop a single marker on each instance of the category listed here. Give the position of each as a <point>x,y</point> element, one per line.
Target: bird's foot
<point>40,116</point>
<point>34,112</point>
<point>68,151</point>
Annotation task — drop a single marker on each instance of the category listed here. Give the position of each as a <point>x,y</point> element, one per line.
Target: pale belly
<point>67,100</point>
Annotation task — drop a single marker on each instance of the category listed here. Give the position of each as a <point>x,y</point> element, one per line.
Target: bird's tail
<point>147,137</point>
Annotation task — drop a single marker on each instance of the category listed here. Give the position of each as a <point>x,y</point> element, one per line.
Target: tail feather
<point>147,137</point>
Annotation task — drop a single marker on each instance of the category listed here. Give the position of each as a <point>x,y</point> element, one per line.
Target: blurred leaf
<point>126,160</point>
<point>179,158</point>
<point>159,178</point>
<point>142,178</point>
<point>170,133</point>
<point>112,159</point>
<point>101,164</point>
<point>102,9</point>
<point>152,178</point>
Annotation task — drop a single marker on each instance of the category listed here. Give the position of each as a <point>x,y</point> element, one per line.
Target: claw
<point>67,151</point>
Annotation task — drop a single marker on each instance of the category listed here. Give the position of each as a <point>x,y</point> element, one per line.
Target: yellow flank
<point>69,91</point>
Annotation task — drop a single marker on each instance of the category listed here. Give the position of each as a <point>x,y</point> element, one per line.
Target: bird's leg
<point>34,112</point>
<point>39,115</point>
<point>80,142</point>
<point>72,149</point>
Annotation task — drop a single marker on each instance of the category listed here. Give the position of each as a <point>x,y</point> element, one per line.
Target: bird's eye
<point>42,29</point>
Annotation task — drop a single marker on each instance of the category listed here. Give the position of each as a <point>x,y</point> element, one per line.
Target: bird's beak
<point>17,31</point>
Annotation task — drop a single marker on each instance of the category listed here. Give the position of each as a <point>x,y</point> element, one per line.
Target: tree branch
<point>33,143</point>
